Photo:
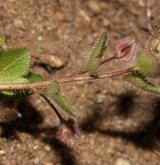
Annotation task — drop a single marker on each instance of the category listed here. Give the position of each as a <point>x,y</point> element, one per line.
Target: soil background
<point>119,124</point>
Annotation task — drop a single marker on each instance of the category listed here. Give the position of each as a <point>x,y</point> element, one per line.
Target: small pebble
<point>47,148</point>
<point>101,97</point>
<point>121,161</point>
<point>106,22</point>
<point>94,6</point>
<point>2,152</point>
<point>36,160</point>
<point>61,16</point>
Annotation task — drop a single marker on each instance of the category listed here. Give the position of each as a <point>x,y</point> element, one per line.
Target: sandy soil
<point>119,124</point>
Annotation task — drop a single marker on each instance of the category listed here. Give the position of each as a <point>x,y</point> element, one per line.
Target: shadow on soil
<point>30,123</point>
<point>146,137</point>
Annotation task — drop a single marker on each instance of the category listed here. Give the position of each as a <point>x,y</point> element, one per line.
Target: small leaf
<point>148,64</point>
<point>139,81</point>
<point>52,89</point>
<point>53,93</point>
<point>14,65</point>
<point>2,41</point>
<point>7,114</point>
<point>96,54</point>
<point>64,103</point>
<point>32,77</point>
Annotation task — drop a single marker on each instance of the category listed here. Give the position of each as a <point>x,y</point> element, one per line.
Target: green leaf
<point>33,77</point>
<point>148,64</point>
<point>2,41</point>
<point>96,54</point>
<point>53,92</point>
<point>14,65</point>
<point>52,89</point>
<point>139,81</point>
<point>64,103</point>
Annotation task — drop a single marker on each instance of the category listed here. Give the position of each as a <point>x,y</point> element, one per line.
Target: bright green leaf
<point>33,77</point>
<point>14,65</point>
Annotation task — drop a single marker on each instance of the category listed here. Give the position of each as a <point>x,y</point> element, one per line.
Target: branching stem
<point>63,80</point>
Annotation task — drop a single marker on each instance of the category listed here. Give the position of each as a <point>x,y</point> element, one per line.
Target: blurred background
<point>119,124</point>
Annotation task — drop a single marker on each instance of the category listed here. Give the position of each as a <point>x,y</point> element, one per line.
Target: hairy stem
<point>63,80</point>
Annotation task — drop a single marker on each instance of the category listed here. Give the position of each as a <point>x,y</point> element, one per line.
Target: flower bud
<point>68,132</point>
<point>125,49</point>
